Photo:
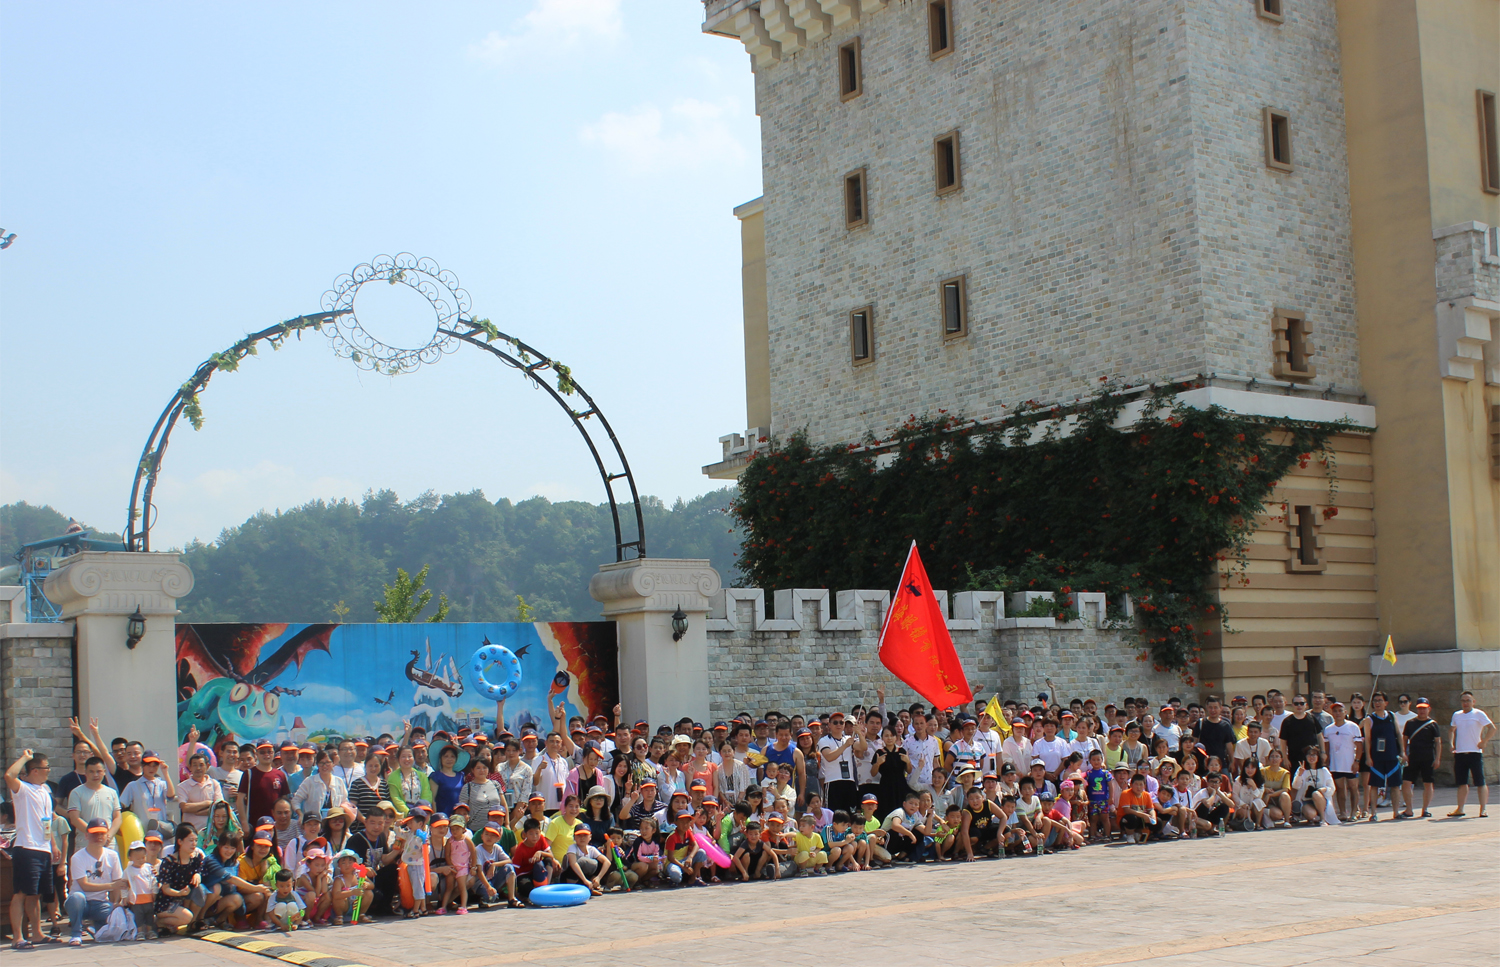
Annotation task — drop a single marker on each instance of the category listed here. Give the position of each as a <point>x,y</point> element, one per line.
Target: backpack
<point>119,926</point>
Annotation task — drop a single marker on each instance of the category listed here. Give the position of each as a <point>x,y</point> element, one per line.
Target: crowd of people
<point>260,835</point>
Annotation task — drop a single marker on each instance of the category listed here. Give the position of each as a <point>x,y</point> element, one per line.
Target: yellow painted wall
<point>1395,293</point>
<point>1460,50</point>
<point>757,322</point>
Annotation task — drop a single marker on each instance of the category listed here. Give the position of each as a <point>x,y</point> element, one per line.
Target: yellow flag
<point>994,711</point>
<point>1390,650</point>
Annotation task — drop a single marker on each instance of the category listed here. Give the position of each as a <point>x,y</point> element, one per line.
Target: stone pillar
<point>131,691</point>
<point>661,680</point>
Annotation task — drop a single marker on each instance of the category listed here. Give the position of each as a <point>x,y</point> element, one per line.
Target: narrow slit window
<point>1489,143</point>
<point>1307,536</point>
<point>1278,135</point>
<point>939,28</point>
<point>856,200</point>
<point>862,335</point>
<point>1292,350</point>
<point>955,311</point>
<point>851,71</point>
<point>945,159</point>
<point>1270,10</point>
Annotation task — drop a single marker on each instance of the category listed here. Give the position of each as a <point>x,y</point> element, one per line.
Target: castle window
<point>1302,539</point>
<point>1489,143</point>
<point>1278,135</point>
<point>945,160</point>
<point>955,307</point>
<point>1291,346</point>
<point>862,335</point>
<point>939,28</point>
<point>856,200</point>
<point>851,71</point>
<point>1269,10</point>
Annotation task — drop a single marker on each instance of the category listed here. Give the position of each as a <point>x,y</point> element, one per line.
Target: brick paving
<point>1386,893</point>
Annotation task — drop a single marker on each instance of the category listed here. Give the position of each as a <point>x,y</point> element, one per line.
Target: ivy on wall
<point>1049,500</point>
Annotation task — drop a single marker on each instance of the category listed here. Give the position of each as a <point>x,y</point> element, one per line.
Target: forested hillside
<point>301,564</point>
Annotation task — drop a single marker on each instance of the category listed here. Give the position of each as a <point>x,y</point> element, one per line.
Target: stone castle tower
<point>973,203</point>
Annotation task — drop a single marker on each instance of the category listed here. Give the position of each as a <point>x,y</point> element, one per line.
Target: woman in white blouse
<point>320,792</point>
<point>1312,787</point>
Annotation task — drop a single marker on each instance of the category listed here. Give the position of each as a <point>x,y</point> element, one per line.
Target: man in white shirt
<point>1345,741</point>
<point>836,754</point>
<point>197,793</point>
<point>1167,728</point>
<point>1051,749</point>
<point>923,750</point>
<point>1468,731</point>
<point>988,744</point>
<point>1252,746</point>
<point>1278,708</point>
<point>94,874</point>
<point>33,854</point>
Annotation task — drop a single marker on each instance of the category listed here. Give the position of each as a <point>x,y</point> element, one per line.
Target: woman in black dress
<point>891,767</point>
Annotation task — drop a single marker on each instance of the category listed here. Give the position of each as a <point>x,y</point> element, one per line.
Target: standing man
<point>1167,728</point>
<point>34,854</point>
<point>1469,731</point>
<point>1424,752</point>
<point>1300,732</point>
<point>924,751</point>
<point>148,796</point>
<point>1384,753</point>
<point>1215,732</point>
<point>260,786</point>
<point>1344,740</point>
<point>836,755</point>
<point>94,800</point>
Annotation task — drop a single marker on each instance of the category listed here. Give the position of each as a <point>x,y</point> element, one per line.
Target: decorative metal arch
<point>350,340</point>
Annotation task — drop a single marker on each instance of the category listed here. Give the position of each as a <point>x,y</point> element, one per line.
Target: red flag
<point>914,642</point>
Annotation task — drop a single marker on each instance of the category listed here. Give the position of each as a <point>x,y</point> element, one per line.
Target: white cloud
<point>335,696</point>
<point>689,134</point>
<point>552,23</point>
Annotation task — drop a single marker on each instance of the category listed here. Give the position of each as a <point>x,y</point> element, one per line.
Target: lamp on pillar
<point>135,628</point>
<point>660,610</point>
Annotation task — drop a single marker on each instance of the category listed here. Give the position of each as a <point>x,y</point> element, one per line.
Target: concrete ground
<point>1387,893</point>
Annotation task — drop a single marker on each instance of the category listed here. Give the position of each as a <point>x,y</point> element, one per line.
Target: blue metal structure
<point>37,563</point>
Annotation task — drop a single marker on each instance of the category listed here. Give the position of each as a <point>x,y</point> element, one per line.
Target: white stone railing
<point>970,611</point>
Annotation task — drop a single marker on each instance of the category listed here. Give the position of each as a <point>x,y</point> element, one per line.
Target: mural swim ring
<point>510,667</point>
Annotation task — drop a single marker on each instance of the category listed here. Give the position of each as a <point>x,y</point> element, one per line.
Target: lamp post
<point>679,625</point>
<point>135,628</point>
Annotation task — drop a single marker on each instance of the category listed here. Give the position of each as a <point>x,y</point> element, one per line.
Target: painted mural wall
<point>309,682</point>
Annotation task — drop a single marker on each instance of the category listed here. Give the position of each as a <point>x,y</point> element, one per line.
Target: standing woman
<point>407,783</point>
<point>1357,715</point>
<point>670,779</point>
<point>446,781</point>
<point>481,793</point>
<point>621,782</point>
<point>1238,722</point>
<point>700,766</point>
<point>890,769</point>
<point>810,754</point>
<point>734,776</point>
<point>368,789</point>
<point>322,792</point>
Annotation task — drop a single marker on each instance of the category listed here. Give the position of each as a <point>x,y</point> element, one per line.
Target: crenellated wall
<point>817,651</point>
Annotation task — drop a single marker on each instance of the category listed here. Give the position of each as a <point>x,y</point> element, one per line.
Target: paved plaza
<point>1410,892</point>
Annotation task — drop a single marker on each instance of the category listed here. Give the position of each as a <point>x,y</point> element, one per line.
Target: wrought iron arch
<point>455,326</point>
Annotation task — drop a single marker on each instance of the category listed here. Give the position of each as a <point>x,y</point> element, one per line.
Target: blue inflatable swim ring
<point>510,666</point>
<point>560,895</point>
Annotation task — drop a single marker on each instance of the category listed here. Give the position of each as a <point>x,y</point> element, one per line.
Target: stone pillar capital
<point>118,582</point>
<point>654,584</point>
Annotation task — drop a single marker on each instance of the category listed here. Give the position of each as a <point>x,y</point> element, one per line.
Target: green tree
<point>406,599</point>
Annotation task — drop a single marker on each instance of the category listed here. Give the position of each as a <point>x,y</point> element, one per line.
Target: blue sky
<point>181,174</point>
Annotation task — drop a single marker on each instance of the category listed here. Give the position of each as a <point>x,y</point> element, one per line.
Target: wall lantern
<point>135,628</point>
<point>679,625</point>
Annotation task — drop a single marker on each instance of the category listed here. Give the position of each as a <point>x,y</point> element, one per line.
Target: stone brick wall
<point>1116,214</point>
<point>36,691</point>
<point>1465,268</point>
<point>805,660</point>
